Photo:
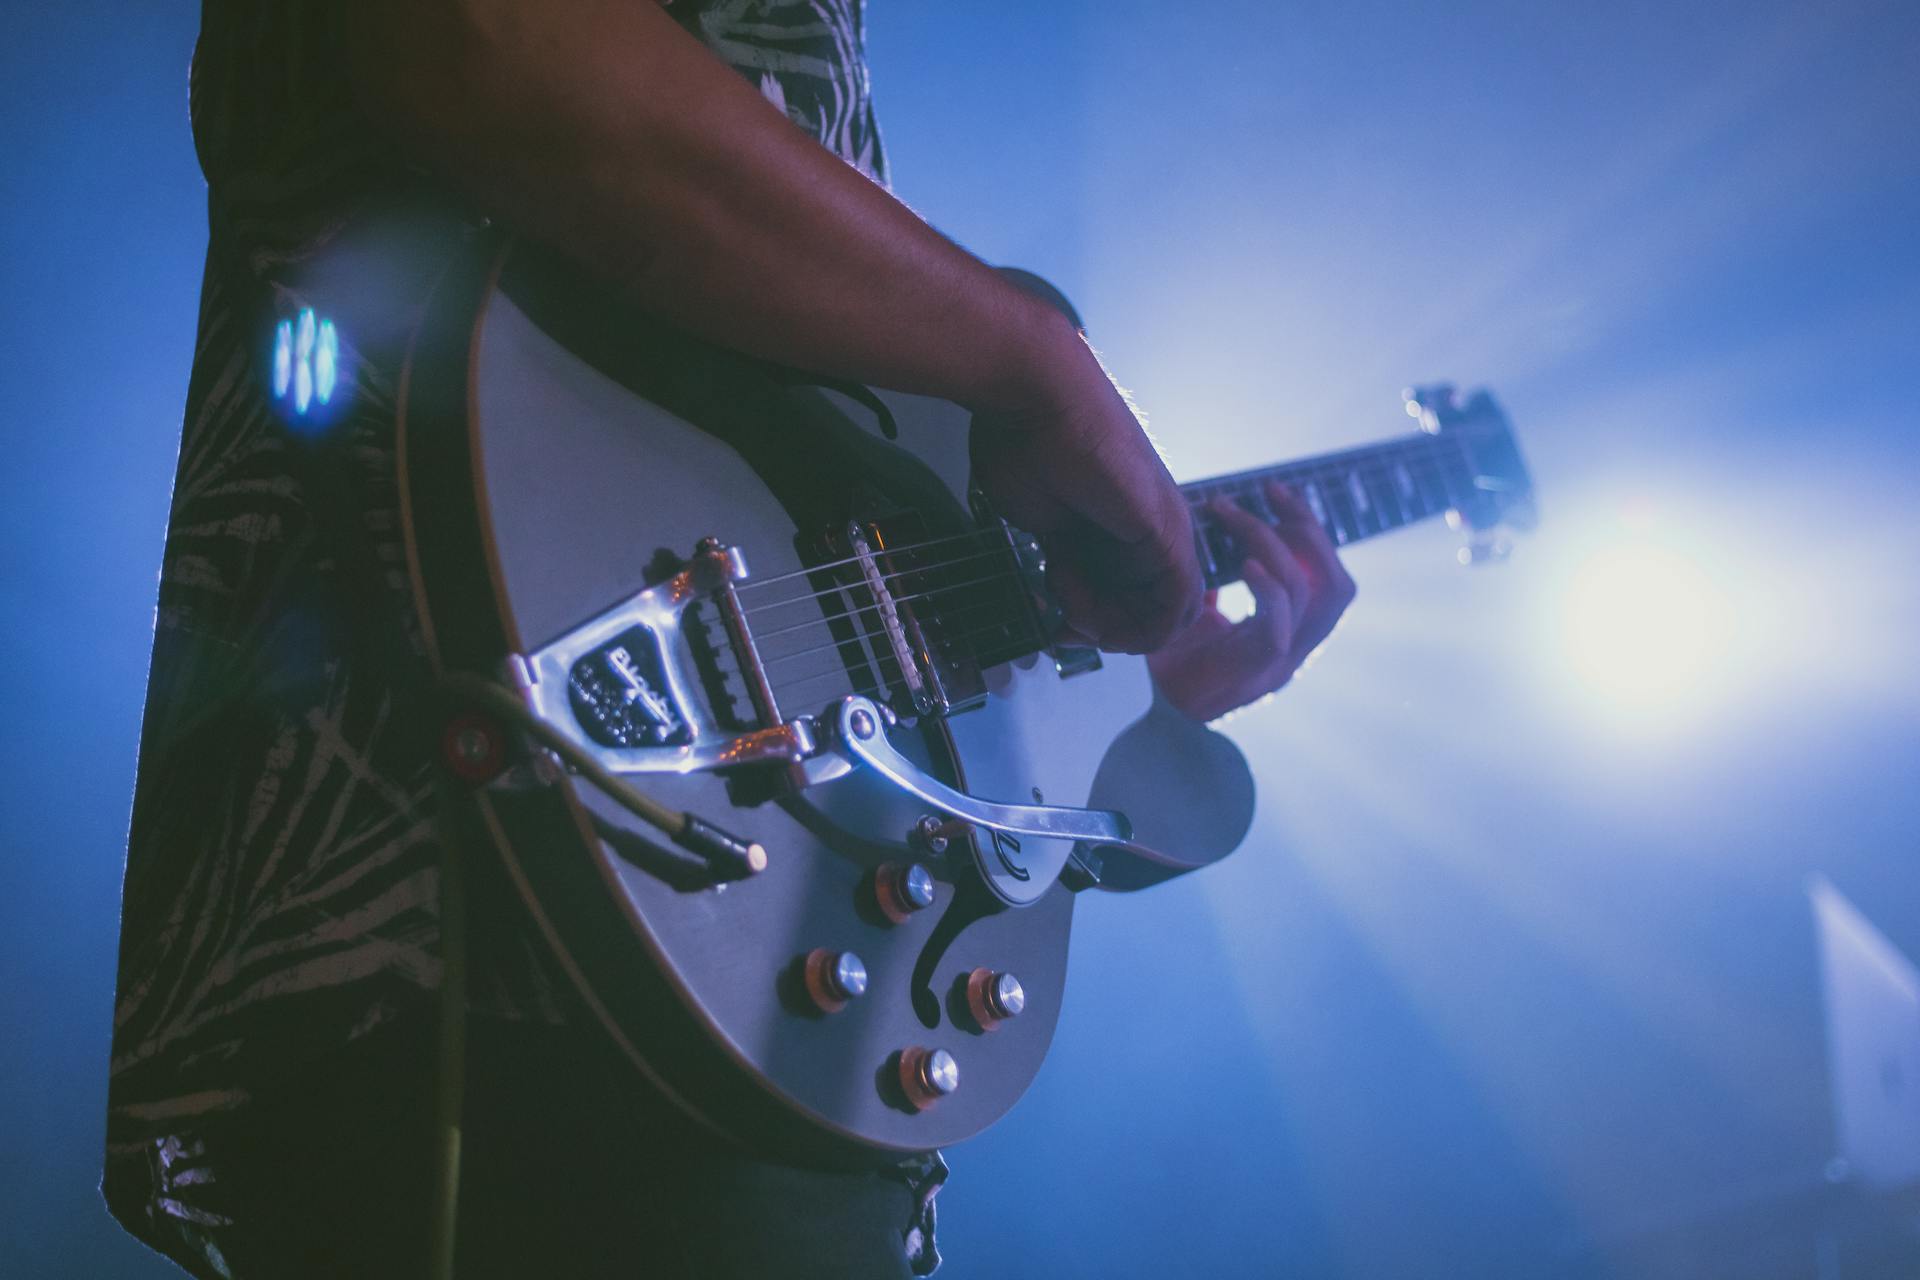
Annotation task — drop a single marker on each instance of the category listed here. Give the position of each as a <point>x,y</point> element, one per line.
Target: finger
<point>1142,531</point>
<point>1264,639</point>
<point>1296,524</point>
<point>1188,670</point>
<point>1121,616</point>
<point>1259,543</point>
<point>1331,586</point>
<point>1267,639</point>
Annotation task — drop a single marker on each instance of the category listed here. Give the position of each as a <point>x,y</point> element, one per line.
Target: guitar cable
<point>327,474</point>
<point>450,1035</point>
<point>725,853</point>
<point>728,855</point>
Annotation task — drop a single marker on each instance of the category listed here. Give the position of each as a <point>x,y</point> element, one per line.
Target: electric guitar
<point>772,603</point>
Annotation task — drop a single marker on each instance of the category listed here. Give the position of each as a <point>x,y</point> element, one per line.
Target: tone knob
<point>927,1075</point>
<point>833,978</point>
<point>902,888</point>
<point>994,997</point>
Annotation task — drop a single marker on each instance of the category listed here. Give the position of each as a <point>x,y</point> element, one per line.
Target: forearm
<point>601,128</point>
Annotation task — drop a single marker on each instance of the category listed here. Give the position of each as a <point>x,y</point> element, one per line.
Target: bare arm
<point>604,130</point>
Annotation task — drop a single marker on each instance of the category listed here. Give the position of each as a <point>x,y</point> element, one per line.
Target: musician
<point>273,1065</point>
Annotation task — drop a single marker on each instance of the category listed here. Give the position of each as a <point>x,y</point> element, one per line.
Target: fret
<point>1342,523</point>
<point>1253,498</point>
<point>1366,515</point>
<point>1316,501</point>
<point>1381,491</point>
<point>1458,477</point>
<point>1408,494</point>
<point>1353,494</point>
<point>1433,485</point>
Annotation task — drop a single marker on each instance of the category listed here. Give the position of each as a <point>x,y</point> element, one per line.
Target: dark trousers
<point>568,1170</point>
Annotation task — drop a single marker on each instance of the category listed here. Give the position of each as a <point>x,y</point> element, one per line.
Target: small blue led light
<point>282,359</point>
<point>306,362</point>
<point>326,362</point>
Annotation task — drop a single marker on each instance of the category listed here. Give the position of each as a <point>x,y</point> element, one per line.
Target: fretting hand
<point>1072,466</point>
<point>1299,589</point>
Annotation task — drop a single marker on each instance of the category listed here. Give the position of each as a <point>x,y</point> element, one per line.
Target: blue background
<point>1503,977</point>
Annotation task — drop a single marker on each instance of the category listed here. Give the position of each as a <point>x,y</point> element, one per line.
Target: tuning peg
<point>1493,547</point>
<point>1426,405</point>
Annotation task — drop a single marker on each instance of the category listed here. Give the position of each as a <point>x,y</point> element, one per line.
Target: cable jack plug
<point>729,857</point>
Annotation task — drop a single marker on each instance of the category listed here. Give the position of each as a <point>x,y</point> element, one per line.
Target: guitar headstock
<point>1503,499</point>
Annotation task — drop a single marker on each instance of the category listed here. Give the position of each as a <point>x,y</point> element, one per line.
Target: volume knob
<point>927,1075</point>
<point>833,978</point>
<point>993,997</point>
<point>902,888</point>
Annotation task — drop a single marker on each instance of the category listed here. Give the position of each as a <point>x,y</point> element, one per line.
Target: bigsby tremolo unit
<point>625,688</point>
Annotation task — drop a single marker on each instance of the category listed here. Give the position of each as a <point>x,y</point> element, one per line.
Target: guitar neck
<point>1354,493</point>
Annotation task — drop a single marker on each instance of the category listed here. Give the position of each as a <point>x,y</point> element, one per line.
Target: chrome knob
<point>833,978</point>
<point>993,997</point>
<point>900,889</point>
<point>927,1075</point>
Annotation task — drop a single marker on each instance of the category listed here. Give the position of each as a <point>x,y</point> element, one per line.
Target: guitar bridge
<point>623,685</point>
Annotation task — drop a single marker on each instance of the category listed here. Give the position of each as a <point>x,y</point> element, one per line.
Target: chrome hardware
<point>735,620</point>
<point>903,637</point>
<point>1487,548</point>
<point>1426,404</point>
<point>900,889</point>
<point>1070,660</point>
<point>1030,560</point>
<point>927,1075</point>
<point>619,685</point>
<point>872,749</point>
<point>1083,870</point>
<point>930,835</point>
<point>833,978</point>
<point>992,998</point>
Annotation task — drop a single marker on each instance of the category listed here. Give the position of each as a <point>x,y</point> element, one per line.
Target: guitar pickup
<point>910,609</point>
<point>624,687</point>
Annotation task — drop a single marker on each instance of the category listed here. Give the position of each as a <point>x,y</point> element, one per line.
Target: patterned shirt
<point>281,883</point>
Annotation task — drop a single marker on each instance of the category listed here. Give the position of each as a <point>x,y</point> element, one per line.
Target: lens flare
<point>282,359</point>
<point>1648,631</point>
<point>326,362</point>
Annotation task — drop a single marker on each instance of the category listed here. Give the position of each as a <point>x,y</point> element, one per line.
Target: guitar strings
<point>885,577</point>
<point>873,635</point>
<point>1416,450</point>
<point>872,644</point>
<point>1009,578</point>
<point>753,583</point>
<point>1000,534</point>
<point>1414,453</point>
<point>872,647</point>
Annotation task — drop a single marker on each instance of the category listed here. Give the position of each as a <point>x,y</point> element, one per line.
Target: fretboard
<point>1355,494</point>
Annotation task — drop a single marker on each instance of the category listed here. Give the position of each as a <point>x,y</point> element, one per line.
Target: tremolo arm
<point>859,736</point>
<point>622,688</point>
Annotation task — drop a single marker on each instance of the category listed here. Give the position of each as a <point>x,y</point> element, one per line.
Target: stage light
<point>1648,631</point>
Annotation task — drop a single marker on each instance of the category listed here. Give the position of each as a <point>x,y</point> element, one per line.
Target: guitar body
<point>560,454</point>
